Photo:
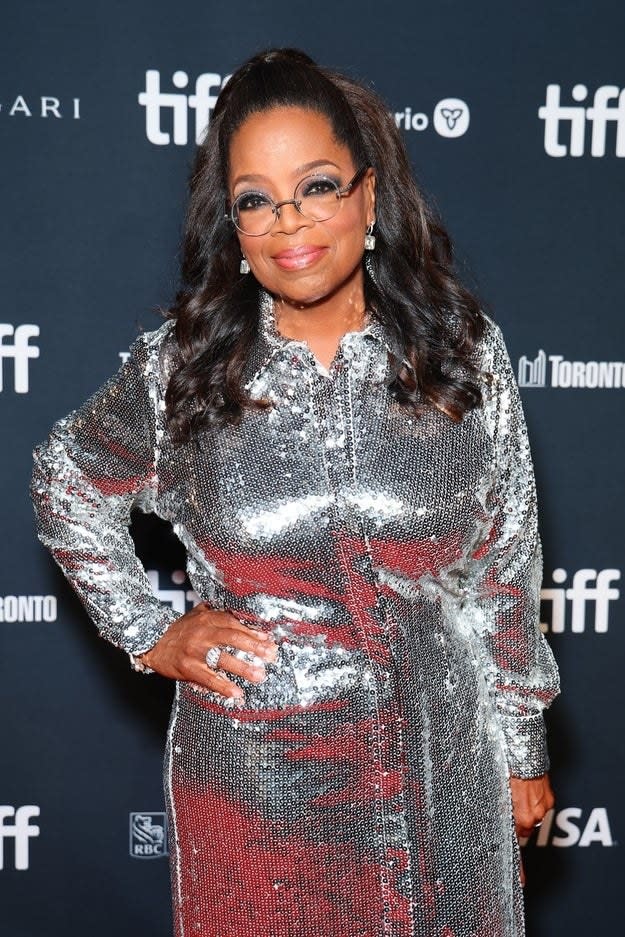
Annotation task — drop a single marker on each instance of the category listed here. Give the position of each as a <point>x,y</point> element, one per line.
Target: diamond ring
<point>212,657</point>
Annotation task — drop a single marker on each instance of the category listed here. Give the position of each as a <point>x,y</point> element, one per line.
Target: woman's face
<point>301,260</point>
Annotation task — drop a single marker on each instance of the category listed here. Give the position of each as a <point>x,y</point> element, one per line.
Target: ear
<point>369,189</point>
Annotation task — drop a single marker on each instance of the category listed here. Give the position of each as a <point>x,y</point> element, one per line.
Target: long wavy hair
<point>411,285</point>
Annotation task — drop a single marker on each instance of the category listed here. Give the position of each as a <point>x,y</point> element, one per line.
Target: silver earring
<point>369,239</point>
<point>244,267</point>
<point>369,268</point>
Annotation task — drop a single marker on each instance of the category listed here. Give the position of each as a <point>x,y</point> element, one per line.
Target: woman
<point>333,428</point>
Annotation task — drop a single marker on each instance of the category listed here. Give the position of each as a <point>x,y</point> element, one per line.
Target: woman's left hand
<point>531,799</point>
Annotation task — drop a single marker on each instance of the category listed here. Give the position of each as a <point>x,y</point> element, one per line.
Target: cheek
<point>252,249</point>
<point>347,236</point>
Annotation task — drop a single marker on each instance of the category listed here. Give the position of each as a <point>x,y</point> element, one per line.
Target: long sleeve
<point>504,578</point>
<point>98,464</point>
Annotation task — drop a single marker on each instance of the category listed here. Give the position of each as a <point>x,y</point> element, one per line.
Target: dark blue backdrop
<point>92,207</point>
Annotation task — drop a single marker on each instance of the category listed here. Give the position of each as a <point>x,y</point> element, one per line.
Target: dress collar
<point>270,344</point>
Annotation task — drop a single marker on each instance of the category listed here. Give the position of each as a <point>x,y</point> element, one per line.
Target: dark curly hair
<point>411,285</point>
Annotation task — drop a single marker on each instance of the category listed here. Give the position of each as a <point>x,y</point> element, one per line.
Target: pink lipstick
<point>297,258</point>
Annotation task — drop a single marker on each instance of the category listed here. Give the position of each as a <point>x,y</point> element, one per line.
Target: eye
<point>251,201</point>
<point>318,186</point>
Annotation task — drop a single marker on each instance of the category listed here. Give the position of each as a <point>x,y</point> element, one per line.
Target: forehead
<point>284,137</point>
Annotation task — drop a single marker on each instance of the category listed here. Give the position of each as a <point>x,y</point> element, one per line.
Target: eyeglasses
<point>317,198</point>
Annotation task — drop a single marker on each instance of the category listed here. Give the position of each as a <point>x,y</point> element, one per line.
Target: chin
<point>304,294</point>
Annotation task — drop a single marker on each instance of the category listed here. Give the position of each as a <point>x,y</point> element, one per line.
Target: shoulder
<point>154,341</point>
<point>491,356</point>
<point>155,352</point>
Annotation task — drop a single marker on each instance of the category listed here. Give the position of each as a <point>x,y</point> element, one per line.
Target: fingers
<point>243,639</point>
<point>180,653</point>
<point>251,671</point>
<point>217,680</point>
<point>532,799</point>
<point>239,643</point>
<point>203,676</point>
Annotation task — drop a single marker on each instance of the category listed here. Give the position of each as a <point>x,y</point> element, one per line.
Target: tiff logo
<point>21,351</point>
<point>587,601</point>
<point>20,831</point>
<point>598,116</point>
<point>179,598</point>
<point>207,87</point>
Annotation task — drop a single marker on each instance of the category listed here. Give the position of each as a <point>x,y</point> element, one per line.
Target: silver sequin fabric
<point>362,789</point>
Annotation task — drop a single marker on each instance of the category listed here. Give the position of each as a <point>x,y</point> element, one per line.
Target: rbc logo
<point>207,87</point>
<point>602,111</point>
<point>586,599</point>
<point>20,831</point>
<point>148,835</point>
<point>21,352</point>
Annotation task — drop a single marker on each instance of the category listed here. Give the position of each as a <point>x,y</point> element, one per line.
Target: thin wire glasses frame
<point>321,212</point>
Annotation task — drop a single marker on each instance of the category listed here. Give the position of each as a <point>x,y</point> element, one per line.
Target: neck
<point>331,317</point>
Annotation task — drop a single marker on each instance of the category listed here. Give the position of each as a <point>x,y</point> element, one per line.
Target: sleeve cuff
<point>526,744</point>
<point>143,632</point>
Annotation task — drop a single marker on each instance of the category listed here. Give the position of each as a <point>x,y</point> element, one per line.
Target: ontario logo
<point>450,118</point>
<point>148,835</point>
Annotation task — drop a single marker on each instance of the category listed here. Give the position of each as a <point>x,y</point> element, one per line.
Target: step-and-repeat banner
<point>514,116</point>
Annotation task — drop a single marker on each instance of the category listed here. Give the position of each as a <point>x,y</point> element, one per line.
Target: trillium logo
<point>451,117</point>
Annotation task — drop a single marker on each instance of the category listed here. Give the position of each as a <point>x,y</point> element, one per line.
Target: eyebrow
<point>306,167</point>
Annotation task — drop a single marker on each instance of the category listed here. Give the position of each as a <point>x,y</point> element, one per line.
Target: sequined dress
<point>362,790</point>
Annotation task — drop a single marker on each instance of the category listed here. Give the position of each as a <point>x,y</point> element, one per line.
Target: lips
<point>297,258</point>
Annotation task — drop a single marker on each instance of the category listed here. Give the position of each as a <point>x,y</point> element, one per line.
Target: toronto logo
<point>557,371</point>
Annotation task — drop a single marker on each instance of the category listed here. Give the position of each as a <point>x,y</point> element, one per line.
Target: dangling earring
<point>244,267</point>
<point>369,268</point>
<point>370,238</point>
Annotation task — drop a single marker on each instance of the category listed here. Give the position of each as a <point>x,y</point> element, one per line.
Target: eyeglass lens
<point>316,198</point>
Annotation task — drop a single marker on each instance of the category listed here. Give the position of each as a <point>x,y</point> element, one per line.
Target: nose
<point>288,218</point>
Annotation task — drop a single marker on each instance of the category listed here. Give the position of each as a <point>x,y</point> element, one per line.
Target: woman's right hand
<point>181,652</point>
